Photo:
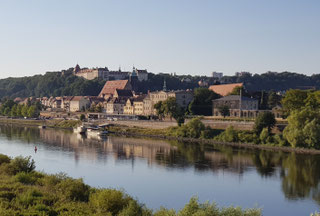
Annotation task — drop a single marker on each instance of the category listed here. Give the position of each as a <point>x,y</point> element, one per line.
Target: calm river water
<point>160,173</point>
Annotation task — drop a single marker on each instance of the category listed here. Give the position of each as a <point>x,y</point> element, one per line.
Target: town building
<point>239,106</point>
<point>183,98</point>
<point>128,108</point>
<point>79,103</point>
<point>114,106</point>
<point>225,89</point>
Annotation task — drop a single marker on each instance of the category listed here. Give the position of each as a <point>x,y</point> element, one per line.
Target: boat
<point>93,131</point>
<point>80,129</point>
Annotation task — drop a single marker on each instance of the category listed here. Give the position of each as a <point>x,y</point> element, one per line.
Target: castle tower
<point>76,69</point>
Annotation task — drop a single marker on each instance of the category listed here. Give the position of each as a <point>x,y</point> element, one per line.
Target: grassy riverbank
<point>54,123</point>
<point>24,191</point>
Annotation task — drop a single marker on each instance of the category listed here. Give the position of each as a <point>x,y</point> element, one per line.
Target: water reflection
<point>299,174</point>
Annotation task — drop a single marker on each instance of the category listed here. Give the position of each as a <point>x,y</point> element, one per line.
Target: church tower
<point>133,79</point>
<point>164,85</point>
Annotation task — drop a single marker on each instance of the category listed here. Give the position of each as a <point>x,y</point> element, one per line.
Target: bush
<point>4,159</point>
<point>28,178</point>
<point>264,135</point>
<point>229,135</point>
<point>74,190</point>
<point>109,201</point>
<point>22,164</point>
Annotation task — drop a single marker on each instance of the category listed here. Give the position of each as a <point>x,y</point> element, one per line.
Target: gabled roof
<point>111,86</point>
<point>123,93</point>
<point>224,89</point>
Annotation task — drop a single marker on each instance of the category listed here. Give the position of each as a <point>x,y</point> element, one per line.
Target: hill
<point>63,83</point>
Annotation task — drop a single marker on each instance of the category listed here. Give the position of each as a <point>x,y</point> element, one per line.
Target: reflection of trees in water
<point>266,162</point>
<point>28,134</point>
<point>299,174</point>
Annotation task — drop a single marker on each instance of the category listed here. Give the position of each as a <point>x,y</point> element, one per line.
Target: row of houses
<point>122,101</point>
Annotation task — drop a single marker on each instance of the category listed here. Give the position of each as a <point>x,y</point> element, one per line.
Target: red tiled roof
<point>111,86</point>
<point>224,89</point>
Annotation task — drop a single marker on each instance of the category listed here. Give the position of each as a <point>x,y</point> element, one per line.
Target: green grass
<point>56,123</point>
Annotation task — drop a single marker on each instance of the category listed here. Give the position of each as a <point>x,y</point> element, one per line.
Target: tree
<point>24,111</point>
<point>294,99</point>
<point>32,111</point>
<point>224,111</point>
<point>14,110</point>
<point>202,102</point>
<point>159,109</point>
<point>273,99</point>
<point>264,120</point>
<point>170,108</point>
<point>82,117</point>
<point>303,129</point>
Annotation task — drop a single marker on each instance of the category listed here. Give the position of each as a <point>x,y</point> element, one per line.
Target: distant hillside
<point>56,84</point>
<point>50,84</point>
<point>275,81</point>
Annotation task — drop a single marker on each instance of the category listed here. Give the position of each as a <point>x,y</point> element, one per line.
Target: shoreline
<point>54,123</point>
<point>286,149</point>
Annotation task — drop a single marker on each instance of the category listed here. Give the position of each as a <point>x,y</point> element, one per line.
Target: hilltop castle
<point>105,74</point>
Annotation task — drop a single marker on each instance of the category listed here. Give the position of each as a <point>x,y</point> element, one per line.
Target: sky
<point>193,37</point>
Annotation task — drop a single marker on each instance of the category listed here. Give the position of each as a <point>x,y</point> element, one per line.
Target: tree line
<point>12,109</point>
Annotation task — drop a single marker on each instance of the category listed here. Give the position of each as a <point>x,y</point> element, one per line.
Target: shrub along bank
<point>24,191</point>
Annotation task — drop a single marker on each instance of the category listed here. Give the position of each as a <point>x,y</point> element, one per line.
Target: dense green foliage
<point>264,120</point>
<point>12,109</point>
<point>202,102</point>
<point>171,109</point>
<point>303,128</point>
<point>50,84</point>
<point>25,192</point>
<point>302,109</point>
<point>275,81</point>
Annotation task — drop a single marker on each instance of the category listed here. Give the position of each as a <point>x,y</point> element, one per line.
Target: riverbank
<point>24,191</point>
<point>163,134</point>
<point>52,123</point>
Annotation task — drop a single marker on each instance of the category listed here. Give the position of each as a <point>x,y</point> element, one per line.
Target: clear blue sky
<point>183,36</point>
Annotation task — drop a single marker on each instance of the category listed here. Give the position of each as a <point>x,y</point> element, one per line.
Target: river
<point>167,173</point>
